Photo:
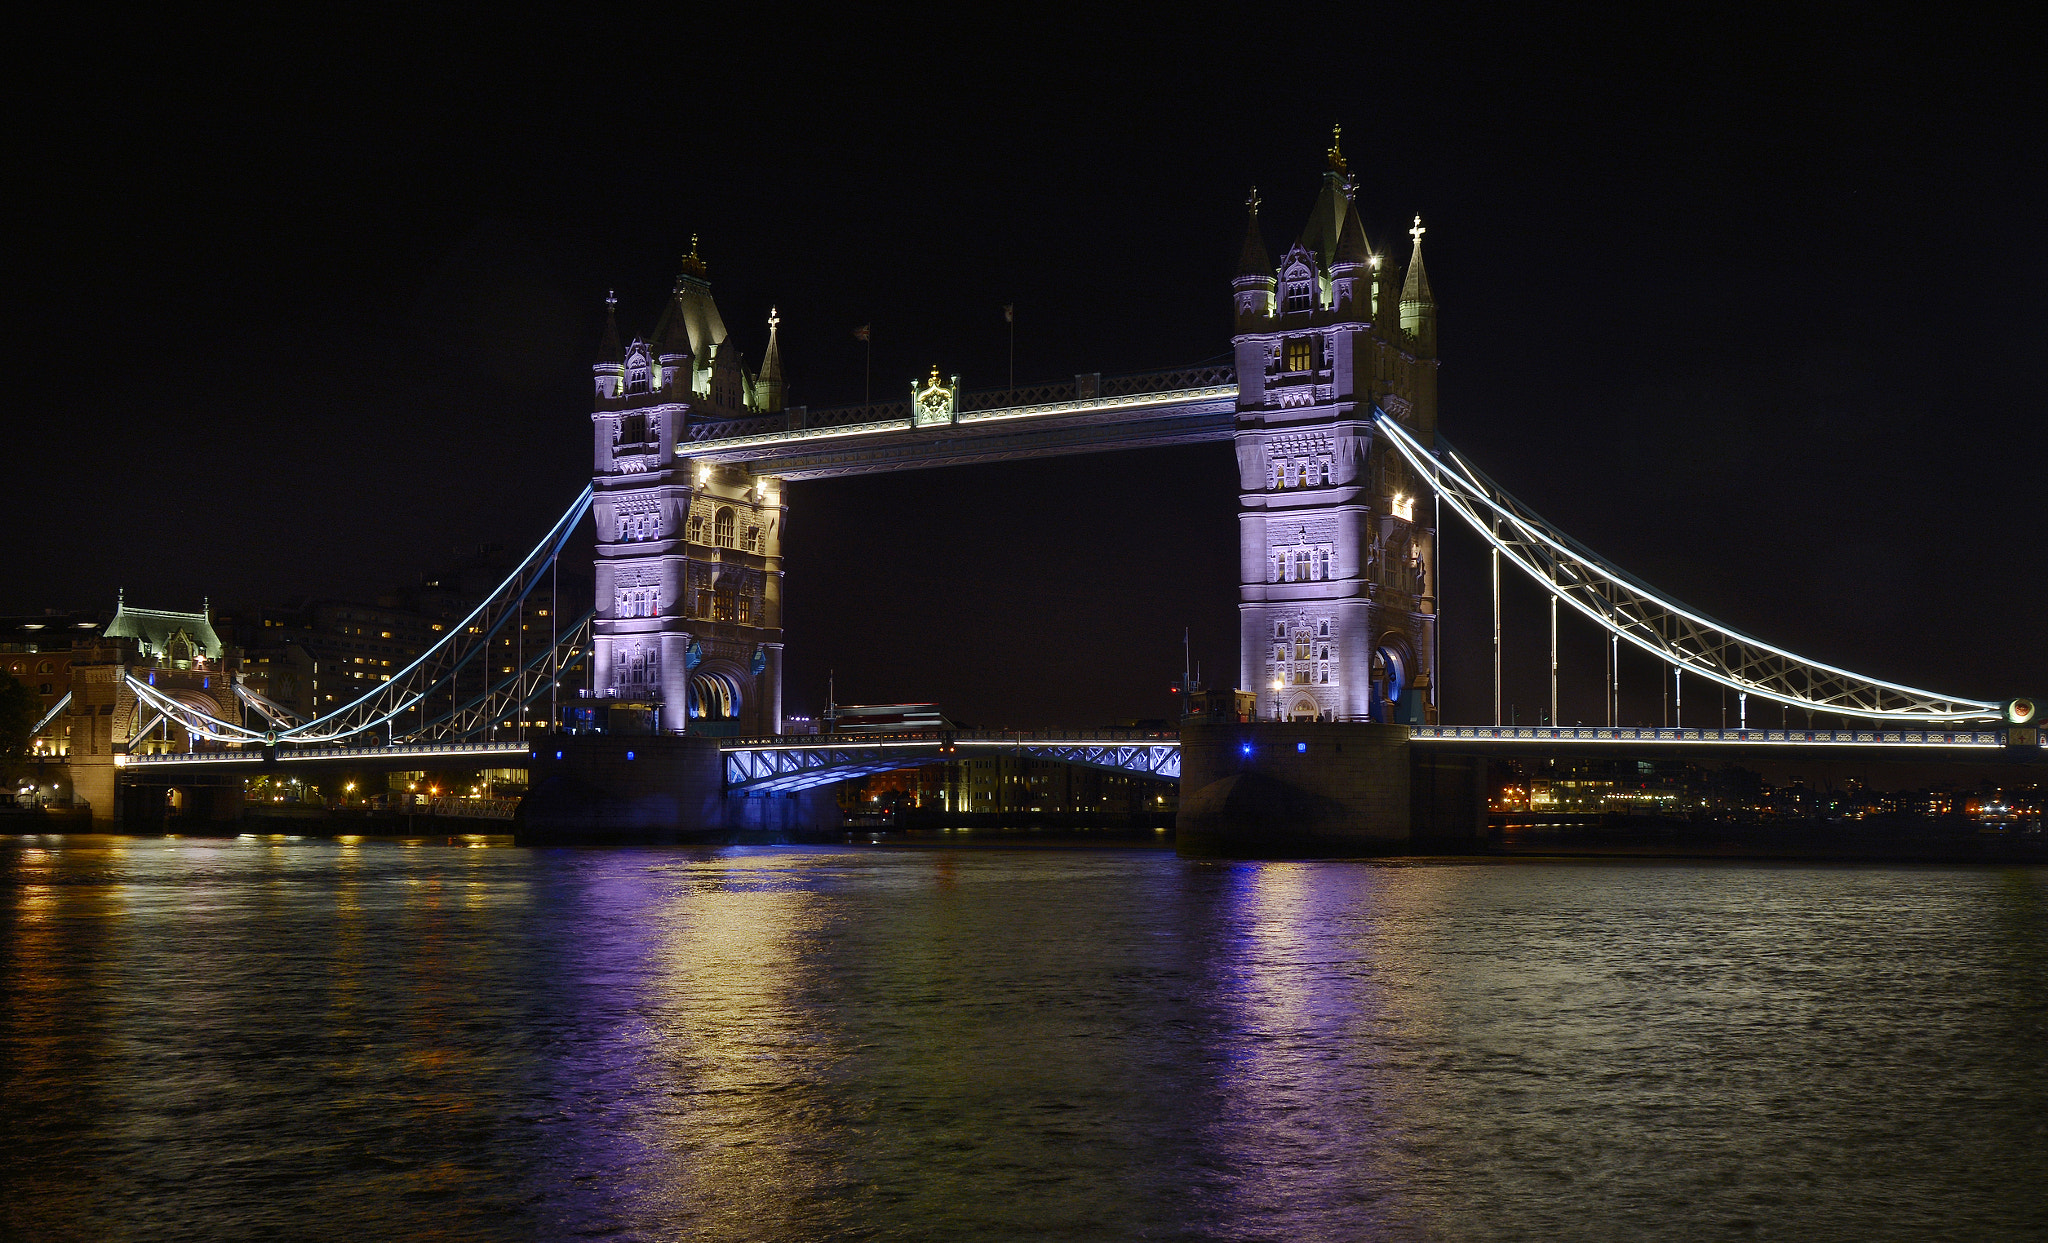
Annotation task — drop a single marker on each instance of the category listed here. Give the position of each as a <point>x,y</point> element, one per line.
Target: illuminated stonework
<point>1338,612</point>
<point>689,554</point>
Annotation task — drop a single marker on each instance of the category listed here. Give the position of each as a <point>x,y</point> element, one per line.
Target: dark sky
<point>1755,309</point>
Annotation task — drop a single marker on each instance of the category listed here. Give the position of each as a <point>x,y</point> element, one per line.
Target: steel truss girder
<point>780,766</point>
<point>1626,606</point>
<point>514,692</point>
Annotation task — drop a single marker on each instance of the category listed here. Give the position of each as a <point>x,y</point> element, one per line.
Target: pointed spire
<point>1418,307</point>
<point>768,385</point>
<point>1351,246</point>
<point>1416,287</point>
<point>1326,219</point>
<point>1253,260</point>
<point>608,350</point>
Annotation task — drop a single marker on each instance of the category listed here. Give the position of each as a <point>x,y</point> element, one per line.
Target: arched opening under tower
<point>715,700</point>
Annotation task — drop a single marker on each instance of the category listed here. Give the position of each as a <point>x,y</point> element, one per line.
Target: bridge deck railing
<point>1017,737</point>
<point>1783,737</point>
<point>256,753</point>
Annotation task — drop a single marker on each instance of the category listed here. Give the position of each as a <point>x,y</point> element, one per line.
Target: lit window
<point>1298,352</point>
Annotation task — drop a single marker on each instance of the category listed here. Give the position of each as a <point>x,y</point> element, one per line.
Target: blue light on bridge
<point>1247,748</point>
<point>1301,747</point>
<point>629,755</point>
<point>558,755</point>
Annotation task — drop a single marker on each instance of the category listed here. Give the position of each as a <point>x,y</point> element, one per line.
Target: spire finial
<point>773,320</point>
<point>611,300</point>
<point>1252,201</point>
<point>1417,231</point>
<point>1337,164</point>
<point>693,264</point>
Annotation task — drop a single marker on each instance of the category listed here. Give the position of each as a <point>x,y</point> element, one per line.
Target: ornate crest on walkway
<point>934,402</point>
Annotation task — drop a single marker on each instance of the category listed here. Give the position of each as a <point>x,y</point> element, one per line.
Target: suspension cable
<point>1631,609</point>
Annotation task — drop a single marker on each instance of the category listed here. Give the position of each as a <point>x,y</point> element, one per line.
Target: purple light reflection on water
<point>307,1039</point>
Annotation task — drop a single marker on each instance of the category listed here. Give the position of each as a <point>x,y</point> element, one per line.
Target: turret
<point>1418,307</point>
<point>690,328</point>
<point>768,385</point>
<point>1254,280</point>
<point>610,368</point>
<point>1326,220</point>
<point>1351,270</point>
<point>1386,299</point>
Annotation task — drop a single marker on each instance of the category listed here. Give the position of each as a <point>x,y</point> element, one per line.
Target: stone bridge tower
<point>1337,543</point>
<point>689,555</point>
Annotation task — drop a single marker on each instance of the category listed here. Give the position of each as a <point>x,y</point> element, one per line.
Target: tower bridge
<point>1329,398</point>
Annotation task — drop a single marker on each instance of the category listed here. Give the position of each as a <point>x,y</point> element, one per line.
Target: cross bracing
<point>1637,612</point>
<point>783,765</point>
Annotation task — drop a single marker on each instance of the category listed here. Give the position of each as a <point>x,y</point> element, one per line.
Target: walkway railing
<point>1992,738</point>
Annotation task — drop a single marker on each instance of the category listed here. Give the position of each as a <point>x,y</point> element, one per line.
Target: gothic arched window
<point>722,527</point>
<point>1300,292</point>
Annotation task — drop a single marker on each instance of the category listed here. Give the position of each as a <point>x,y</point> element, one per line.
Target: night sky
<point>1757,310</point>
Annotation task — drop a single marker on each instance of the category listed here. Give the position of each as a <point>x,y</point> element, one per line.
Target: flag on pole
<point>861,333</point>
<point>1009,312</point>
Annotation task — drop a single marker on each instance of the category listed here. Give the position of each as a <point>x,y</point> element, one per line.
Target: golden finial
<point>1252,201</point>
<point>1337,164</point>
<point>693,265</point>
<point>935,377</point>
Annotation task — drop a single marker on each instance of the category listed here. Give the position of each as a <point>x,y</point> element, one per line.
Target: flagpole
<point>865,335</point>
<point>1010,317</point>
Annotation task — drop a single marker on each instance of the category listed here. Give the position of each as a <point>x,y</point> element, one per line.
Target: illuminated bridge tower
<point>689,555</point>
<point>1337,546</point>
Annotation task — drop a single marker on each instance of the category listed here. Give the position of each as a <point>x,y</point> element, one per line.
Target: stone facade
<point>1337,542</point>
<point>689,555</point>
<point>179,655</point>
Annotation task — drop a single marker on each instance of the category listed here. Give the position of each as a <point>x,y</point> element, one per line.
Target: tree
<point>20,709</point>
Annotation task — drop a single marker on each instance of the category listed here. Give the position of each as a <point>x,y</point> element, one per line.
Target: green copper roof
<point>154,630</point>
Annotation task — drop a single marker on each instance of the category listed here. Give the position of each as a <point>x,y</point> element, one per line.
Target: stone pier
<point>622,789</point>
<point>1304,789</point>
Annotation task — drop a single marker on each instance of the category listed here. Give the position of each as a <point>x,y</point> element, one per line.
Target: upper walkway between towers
<point>944,425</point>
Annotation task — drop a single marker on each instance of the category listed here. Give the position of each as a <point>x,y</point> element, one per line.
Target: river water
<point>309,1039</point>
